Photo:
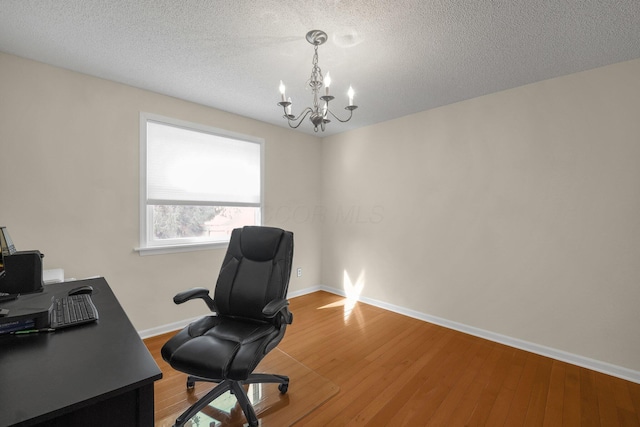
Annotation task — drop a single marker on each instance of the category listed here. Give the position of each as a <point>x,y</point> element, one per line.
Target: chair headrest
<point>260,243</point>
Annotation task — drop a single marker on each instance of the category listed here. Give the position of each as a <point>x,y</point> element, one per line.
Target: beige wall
<point>69,184</point>
<point>516,213</point>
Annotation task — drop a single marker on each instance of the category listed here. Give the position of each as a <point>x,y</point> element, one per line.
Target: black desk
<point>100,374</point>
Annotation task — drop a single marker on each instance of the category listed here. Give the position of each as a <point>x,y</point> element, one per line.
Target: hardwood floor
<point>395,370</point>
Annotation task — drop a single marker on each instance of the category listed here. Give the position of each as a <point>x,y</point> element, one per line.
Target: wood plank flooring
<point>394,370</point>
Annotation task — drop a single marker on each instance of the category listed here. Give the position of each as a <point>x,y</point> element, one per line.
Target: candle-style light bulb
<point>284,98</point>
<point>327,83</point>
<point>350,93</point>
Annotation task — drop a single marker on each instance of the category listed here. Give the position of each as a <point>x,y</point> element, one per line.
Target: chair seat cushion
<point>219,348</point>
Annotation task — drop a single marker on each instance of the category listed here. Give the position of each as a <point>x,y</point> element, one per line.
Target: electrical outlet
<point>299,272</point>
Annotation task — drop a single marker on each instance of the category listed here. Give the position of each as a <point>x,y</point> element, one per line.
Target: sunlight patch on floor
<point>352,291</point>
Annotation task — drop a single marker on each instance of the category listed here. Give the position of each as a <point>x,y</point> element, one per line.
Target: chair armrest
<point>194,293</point>
<point>278,306</point>
<point>271,309</point>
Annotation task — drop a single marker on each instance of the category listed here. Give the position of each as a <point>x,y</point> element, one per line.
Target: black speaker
<point>23,273</point>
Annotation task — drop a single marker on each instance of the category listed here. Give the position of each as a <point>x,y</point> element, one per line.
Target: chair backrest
<point>255,271</point>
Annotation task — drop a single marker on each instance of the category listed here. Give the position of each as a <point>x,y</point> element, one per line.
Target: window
<point>196,184</point>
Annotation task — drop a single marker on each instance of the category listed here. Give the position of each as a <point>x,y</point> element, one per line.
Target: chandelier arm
<point>303,114</point>
<point>338,118</point>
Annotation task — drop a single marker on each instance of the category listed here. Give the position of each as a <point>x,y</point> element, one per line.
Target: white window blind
<point>190,167</point>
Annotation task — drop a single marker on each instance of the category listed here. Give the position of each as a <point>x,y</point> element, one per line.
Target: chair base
<point>236,388</point>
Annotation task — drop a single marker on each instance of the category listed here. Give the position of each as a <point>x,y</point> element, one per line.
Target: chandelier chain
<point>316,79</point>
<point>316,73</point>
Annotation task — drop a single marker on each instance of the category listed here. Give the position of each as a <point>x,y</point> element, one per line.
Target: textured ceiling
<point>400,56</point>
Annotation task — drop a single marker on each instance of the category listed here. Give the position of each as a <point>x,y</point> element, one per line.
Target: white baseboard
<point>308,291</point>
<point>574,359</point>
<point>163,329</point>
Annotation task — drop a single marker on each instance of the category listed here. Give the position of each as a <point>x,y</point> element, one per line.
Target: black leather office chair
<point>250,317</point>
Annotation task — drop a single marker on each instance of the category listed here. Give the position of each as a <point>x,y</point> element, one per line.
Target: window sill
<point>170,249</point>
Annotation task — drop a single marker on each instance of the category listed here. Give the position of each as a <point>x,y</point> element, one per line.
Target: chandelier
<point>319,115</point>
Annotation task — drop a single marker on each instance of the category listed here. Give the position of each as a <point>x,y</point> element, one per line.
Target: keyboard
<point>7,297</point>
<point>71,311</point>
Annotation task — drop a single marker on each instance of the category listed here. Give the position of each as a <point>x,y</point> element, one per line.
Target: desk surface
<point>46,375</point>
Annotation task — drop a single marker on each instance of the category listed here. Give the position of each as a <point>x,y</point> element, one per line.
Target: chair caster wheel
<point>191,385</point>
<point>283,388</point>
